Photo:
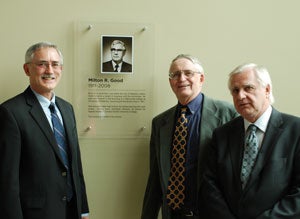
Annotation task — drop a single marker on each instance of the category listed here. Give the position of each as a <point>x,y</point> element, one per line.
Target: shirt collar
<point>114,64</point>
<point>262,121</point>
<point>43,100</point>
<point>194,105</point>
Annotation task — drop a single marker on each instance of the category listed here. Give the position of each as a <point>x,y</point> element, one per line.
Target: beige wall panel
<point>221,33</point>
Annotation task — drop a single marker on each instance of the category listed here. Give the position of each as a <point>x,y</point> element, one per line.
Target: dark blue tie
<point>60,136</point>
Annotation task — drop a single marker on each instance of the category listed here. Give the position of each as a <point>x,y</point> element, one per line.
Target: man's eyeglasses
<point>116,50</point>
<point>45,65</point>
<point>187,73</point>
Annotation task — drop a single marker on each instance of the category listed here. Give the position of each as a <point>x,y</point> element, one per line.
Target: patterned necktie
<point>250,154</point>
<point>176,185</point>
<point>59,133</point>
<point>116,68</point>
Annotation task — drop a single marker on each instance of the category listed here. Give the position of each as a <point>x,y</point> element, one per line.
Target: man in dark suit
<point>186,77</point>
<point>272,186</point>
<point>34,179</point>
<point>117,64</point>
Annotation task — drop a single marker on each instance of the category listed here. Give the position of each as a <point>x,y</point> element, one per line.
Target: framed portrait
<point>116,54</point>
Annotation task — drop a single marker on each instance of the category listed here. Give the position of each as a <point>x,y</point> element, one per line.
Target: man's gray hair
<point>32,49</point>
<point>193,59</point>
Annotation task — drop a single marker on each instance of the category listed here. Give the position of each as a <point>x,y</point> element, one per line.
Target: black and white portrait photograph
<point>116,54</point>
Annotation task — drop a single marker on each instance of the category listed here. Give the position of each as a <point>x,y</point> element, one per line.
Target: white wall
<point>221,33</point>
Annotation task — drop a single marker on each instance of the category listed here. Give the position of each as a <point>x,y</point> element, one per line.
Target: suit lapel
<point>39,117</point>
<point>209,121</point>
<point>236,144</point>
<point>166,132</point>
<point>68,124</point>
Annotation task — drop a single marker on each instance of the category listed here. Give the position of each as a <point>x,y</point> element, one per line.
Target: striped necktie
<point>60,136</point>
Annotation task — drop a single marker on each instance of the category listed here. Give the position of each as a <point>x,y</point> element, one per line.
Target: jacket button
<point>64,198</point>
<point>64,173</point>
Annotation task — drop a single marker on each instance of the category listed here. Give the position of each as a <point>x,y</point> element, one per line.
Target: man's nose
<point>241,95</point>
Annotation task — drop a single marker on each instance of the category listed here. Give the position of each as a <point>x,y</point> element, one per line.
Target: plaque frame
<point>113,105</point>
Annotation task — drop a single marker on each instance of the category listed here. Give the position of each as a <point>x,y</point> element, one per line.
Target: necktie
<point>250,153</point>
<point>116,68</point>
<point>176,187</point>
<point>59,133</point>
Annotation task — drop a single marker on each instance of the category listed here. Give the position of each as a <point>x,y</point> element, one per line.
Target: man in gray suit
<point>35,180</point>
<point>272,186</point>
<point>186,77</point>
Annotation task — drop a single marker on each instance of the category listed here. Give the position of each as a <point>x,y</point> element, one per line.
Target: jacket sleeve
<point>10,152</point>
<point>153,194</point>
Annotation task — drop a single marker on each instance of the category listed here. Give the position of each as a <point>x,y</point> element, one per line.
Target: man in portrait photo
<point>117,63</point>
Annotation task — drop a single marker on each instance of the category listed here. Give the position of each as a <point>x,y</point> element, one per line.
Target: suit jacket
<point>214,114</point>
<point>108,67</point>
<point>33,180</point>
<point>273,190</point>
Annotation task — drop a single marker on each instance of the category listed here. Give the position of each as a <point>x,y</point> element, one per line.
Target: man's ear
<point>202,78</point>
<point>26,69</point>
<point>268,90</point>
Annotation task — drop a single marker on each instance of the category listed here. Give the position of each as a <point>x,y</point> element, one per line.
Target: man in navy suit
<point>186,77</point>
<point>273,186</point>
<point>33,175</point>
<point>117,64</point>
